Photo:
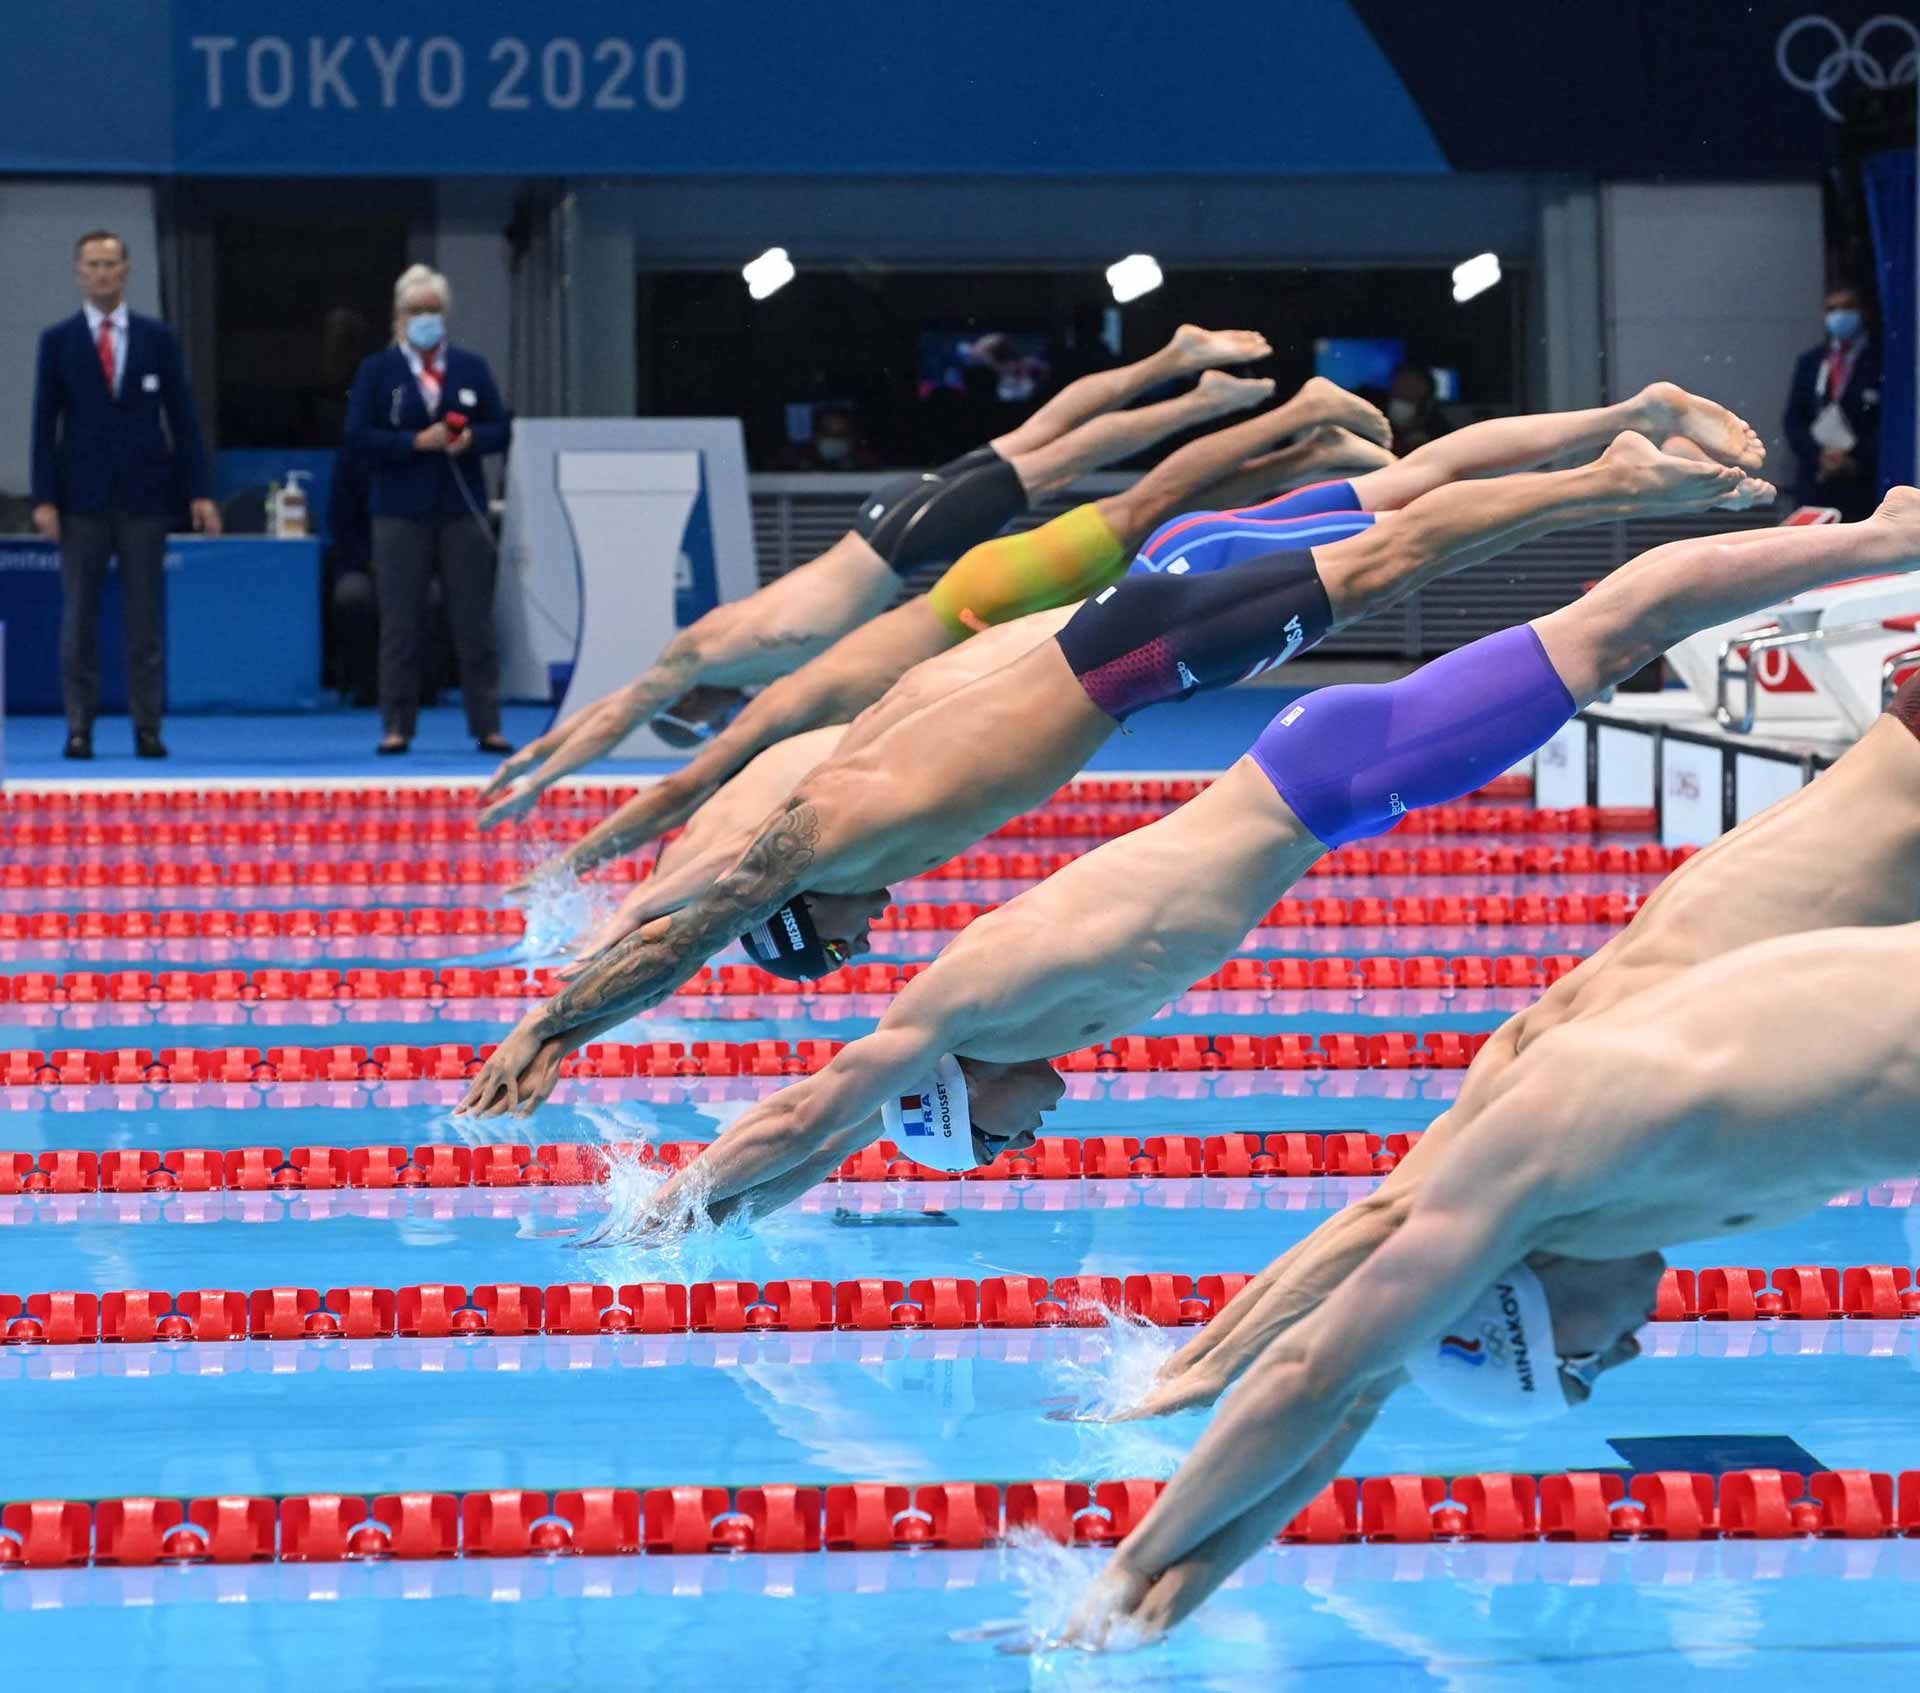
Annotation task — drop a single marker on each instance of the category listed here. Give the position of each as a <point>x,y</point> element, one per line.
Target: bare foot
<point>1194,348</point>
<point>1334,405</point>
<point>1753,491</point>
<point>1655,481</point>
<point>1340,452</point>
<point>1665,408</point>
<point>1899,513</point>
<point>1224,393</point>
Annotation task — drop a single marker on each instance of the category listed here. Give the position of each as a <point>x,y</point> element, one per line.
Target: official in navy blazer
<point>422,415</point>
<point>107,476</point>
<point>1840,381</point>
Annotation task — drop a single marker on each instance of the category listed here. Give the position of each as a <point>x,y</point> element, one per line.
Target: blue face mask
<point>1843,324</point>
<point>427,330</point>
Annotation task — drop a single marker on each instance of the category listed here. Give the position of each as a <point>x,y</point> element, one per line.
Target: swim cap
<point>932,1125</point>
<point>1497,1363</point>
<point>788,944</point>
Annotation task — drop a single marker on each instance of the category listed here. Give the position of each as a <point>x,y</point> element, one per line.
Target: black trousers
<point>405,556</point>
<point>88,539</point>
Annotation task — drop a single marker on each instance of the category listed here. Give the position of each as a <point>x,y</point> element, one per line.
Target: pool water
<point>477,1412</point>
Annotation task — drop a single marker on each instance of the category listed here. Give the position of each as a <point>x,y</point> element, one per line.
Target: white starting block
<point>1820,667</point>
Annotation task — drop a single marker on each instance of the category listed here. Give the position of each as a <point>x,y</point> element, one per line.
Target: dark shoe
<point>495,743</point>
<point>79,746</point>
<point>147,744</point>
<point>393,746</point>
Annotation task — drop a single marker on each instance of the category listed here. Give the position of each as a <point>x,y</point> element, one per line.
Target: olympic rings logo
<point>1846,58</point>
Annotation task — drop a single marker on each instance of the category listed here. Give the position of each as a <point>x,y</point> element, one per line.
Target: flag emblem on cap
<point>913,1114</point>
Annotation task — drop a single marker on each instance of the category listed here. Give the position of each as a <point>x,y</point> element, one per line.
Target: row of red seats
<point>1432,973</point>
<point>1399,1049</point>
<point>436,1310</point>
<point>1670,1505</point>
<point>345,923</point>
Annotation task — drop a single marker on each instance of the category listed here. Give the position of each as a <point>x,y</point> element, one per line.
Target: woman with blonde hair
<point>422,414</point>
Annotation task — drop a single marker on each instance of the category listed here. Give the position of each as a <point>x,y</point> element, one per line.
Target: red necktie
<point>106,350</point>
<point>430,376</point>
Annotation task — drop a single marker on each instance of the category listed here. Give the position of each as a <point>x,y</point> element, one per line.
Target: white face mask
<point>427,330</point>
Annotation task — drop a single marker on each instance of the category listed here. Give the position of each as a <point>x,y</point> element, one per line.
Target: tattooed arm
<point>638,972</point>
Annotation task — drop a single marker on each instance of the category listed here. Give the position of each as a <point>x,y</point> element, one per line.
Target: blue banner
<point>605,87</point>
<point>996,87</point>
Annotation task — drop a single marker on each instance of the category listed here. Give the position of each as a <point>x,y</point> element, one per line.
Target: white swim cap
<point>1497,1363</point>
<point>932,1125</point>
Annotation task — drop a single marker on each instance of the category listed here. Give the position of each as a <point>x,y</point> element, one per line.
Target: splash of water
<point>560,909</point>
<point>1051,1580</point>
<point>1119,1376</point>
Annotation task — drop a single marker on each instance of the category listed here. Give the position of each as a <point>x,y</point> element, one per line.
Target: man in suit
<point>421,416</point>
<point>106,476</point>
<point>1833,412</point>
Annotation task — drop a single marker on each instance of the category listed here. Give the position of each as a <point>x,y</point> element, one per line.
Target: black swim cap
<point>788,944</point>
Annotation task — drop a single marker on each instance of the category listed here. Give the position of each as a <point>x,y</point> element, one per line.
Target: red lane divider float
<point>440,1310</point>
<point>265,830</point>
<point>1449,911</point>
<point>1474,972</point>
<point>262,801</point>
<point>881,1517</point>
<point>255,1169</point>
<point>397,872</point>
<point>1400,1049</point>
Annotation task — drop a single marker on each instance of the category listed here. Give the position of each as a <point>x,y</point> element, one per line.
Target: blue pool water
<point>459,1415</point>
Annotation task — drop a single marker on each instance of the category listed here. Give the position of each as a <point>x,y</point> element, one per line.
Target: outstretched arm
<point>834,688</point>
<point>1189,1583</point>
<point>775,1151</point>
<point>1270,1441</point>
<point>591,732</point>
<point>759,639</point>
<point>638,972</point>
<point>1288,1291</point>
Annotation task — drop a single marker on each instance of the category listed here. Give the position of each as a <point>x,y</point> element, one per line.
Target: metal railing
<point>798,517</point>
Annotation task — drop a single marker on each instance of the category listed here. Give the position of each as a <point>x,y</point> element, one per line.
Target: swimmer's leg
<point>1465,523</point>
<point>1121,434</point>
<point>1504,444</point>
<point>1191,351</point>
<point>1178,481</point>
<point>1664,595</point>
<point>1308,476</point>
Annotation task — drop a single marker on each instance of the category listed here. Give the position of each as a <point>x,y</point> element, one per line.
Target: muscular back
<point>1103,944</point>
<point>1842,851</point>
<point>1732,1095</point>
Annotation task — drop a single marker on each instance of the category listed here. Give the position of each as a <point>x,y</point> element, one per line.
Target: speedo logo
<point>1516,1338</point>
<point>1465,1351</point>
<point>1187,677</point>
<point>1396,806</point>
<point>1288,717</point>
<point>1105,594</point>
